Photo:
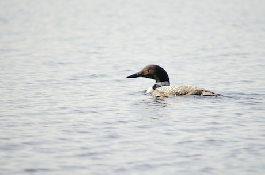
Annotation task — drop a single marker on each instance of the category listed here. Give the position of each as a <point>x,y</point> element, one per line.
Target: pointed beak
<point>134,75</point>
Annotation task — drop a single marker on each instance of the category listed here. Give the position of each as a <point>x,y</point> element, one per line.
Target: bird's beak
<point>134,75</point>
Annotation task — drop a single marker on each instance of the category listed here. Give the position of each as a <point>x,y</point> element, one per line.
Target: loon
<point>162,86</point>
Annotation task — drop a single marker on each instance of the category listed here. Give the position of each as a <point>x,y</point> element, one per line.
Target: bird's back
<point>181,91</point>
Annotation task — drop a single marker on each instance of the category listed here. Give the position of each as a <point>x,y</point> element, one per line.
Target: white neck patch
<point>164,83</point>
<point>160,84</point>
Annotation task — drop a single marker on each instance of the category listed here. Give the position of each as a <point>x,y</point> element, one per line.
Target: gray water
<point>67,108</point>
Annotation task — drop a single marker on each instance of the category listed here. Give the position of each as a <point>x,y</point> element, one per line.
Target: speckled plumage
<point>166,91</point>
<point>162,86</point>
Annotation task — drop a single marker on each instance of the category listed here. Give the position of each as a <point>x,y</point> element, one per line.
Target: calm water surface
<point>67,108</point>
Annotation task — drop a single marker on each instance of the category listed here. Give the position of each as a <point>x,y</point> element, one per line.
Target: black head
<point>152,71</point>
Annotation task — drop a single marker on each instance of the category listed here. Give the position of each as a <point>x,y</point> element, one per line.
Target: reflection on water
<point>67,108</point>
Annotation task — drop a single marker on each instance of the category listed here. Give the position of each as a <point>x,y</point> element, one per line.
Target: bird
<point>162,86</point>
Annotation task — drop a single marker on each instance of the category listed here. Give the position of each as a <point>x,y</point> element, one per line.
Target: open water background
<point>67,108</point>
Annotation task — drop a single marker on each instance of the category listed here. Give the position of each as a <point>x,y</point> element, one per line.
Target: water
<point>67,108</point>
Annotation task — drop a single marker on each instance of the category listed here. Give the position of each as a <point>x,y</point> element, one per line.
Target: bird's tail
<point>208,93</point>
